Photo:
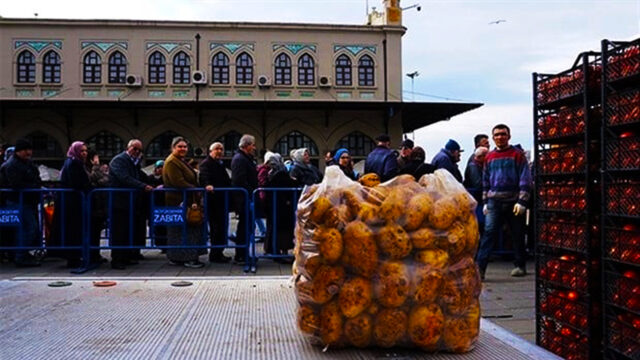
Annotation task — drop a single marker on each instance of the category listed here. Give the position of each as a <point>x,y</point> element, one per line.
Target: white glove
<point>519,210</point>
<point>485,209</point>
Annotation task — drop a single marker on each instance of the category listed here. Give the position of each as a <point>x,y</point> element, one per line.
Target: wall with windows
<point>80,59</point>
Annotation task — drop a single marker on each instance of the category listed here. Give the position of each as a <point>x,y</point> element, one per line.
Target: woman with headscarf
<point>303,171</point>
<point>343,159</point>
<point>416,165</point>
<point>69,213</point>
<point>280,240</point>
<point>178,174</point>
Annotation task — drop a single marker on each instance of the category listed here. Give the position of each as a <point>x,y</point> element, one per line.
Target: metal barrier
<point>271,200</point>
<point>128,210</point>
<point>28,223</point>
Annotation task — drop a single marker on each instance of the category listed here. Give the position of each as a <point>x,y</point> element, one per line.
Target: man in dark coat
<point>19,173</point>
<point>213,174</point>
<point>448,158</point>
<point>125,172</point>
<point>244,175</point>
<point>382,160</point>
<point>405,152</point>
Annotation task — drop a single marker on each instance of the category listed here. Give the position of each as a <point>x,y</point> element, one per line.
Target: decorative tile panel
<point>343,95</point>
<point>168,46</point>
<point>24,93</point>
<point>115,93</point>
<point>91,93</point>
<point>156,93</point>
<point>220,94</point>
<point>50,92</point>
<point>181,93</point>
<point>232,47</point>
<point>367,95</point>
<point>307,94</point>
<point>354,49</point>
<point>294,48</point>
<point>283,93</point>
<point>37,45</point>
<point>245,93</point>
<point>104,46</point>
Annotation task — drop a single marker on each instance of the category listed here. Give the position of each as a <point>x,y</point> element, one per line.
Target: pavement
<point>506,301</point>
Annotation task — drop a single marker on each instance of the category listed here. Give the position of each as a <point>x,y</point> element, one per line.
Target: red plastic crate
<point>623,334</point>
<point>567,84</point>
<point>623,197</point>
<point>562,195</point>
<point>623,243</point>
<point>568,159</point>
<point>623,153</point>
<point>624,63</point>
<point>623,108</point>
<point>566,271</point>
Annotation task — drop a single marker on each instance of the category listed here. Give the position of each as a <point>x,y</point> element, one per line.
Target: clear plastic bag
<point>388,265</point>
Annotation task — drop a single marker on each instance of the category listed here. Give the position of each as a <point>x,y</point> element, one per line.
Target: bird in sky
<point>497,22</point>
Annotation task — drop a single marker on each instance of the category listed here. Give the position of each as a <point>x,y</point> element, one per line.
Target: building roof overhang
<point>414,115</point>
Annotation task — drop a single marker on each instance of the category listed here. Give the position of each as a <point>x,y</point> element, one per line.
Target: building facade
<point>290,85</point>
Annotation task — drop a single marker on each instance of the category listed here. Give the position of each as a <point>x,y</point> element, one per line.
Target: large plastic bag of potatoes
<point>387,264</point>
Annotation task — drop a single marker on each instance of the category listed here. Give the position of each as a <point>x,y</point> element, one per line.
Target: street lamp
<point>413,75</point>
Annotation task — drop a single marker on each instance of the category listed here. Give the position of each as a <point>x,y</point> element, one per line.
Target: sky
<point>459,55</point>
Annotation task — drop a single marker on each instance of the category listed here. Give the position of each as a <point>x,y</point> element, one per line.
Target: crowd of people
<point>499,179</point>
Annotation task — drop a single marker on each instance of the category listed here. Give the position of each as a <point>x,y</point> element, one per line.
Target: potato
<point>418,209</point>
<point>355,296</point>
<point>394,242</point>
<point>369,179</point>
<point>308,320</point>
<point>318,209</point>
<point>454,242</point>
<point>436,258</point>
<point>455,297</point>
<point>424,238</point>
<point>327,283</point>
<point>360,249</point>
<point>369,213</point>
<point>331,324</point>
<point>426,324</point>
<point>392,207</point>
<point>389,327</point>
<point>459,335</point>
<point>359,330</point>
<point>304,290</point>
<point>311,265</point>
<point>331,245</point>
<point>472,233</point>
<point>444,212</point>
<point>391,284</point>
<point>425,283</point>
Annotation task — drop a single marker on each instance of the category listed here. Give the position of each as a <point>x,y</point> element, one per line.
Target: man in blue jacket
<point>382,160</point>
<point>448,158</point>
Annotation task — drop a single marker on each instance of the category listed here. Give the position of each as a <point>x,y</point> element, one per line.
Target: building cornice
<point>201,25</point>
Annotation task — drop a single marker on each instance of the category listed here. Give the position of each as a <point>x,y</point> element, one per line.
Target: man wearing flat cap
<point>405,150</point>
<point>381,159</point>
<point>448,159</point>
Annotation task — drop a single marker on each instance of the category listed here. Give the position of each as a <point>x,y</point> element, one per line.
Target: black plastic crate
<point>622,242</point>
<point>562,340</point>
<point>563,195</point>
<point>566,272</point>
<point>623,108</point>
<point>567,84</point>
<point>567,232</point>
<point>623,59</point>
<point>623,153</point>
<point>622,197</point>
<point>562,159</point>
<point>622,340</point>
<point>622,285</point>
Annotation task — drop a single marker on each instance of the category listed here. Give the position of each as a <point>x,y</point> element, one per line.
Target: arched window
<point>343,71</point>
<point>160,146</point>
<point>117,68</point>
<point>181,68</point>
<point>92,68</point>
<point>244,69</point>
<point>365,71</point>
<point>157,68</point>
<point>358,144</point>
<point>45,146</point>
<point>26,67</point>
<point>296,140</point>
<point>51,68</point>
<point>306,70</point>
<point>106,144</point>
<point>283,70</point>
<point>230,141</point>
<point>220,68</point>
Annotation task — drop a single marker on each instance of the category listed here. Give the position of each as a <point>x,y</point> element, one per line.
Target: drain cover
<point>59,284</point>
<point>181,283</point>
<point>105,283</point>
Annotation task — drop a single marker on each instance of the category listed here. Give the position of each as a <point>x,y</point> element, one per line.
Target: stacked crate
<point>567,202</point>
<point>621,198</point>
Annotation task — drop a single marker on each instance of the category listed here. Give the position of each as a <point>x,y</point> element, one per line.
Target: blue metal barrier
<point>160,215</point>
<point>26,214</point>
<point>273,213</point>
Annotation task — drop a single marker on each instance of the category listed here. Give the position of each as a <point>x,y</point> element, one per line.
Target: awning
<point>416,115</point>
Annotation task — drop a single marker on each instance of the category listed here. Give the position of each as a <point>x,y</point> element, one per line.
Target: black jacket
<point>244,174</point>
<point>213,172</point>
<point>417,169</point>
<point>74,176</point>
<point>20,174</point>
<point>305,175</point>
<point>123,173</point>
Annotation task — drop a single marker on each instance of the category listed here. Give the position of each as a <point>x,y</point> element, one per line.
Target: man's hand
<point>519,210</point>
<point>209,188</point>
<point>148,188</point>
<point>485,209</point>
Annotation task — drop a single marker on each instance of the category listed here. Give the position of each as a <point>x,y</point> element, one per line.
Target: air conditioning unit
<point>264,81</point>
<point>199,77</point>
<point>325,81</point>
<point>133,80</point>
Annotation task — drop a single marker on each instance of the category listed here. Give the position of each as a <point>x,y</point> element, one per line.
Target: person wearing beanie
<point>448,159</point>
<point>19,173</point>
<point>405,151</point>
<point>343,159</point>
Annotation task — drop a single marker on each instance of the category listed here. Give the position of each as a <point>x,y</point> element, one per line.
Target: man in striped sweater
<point>506,182</point>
